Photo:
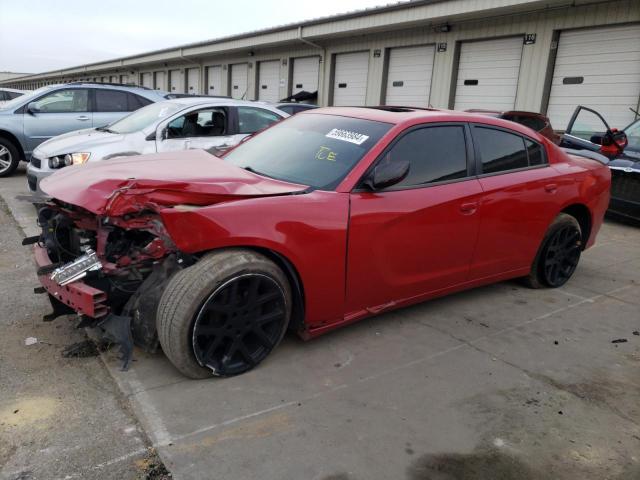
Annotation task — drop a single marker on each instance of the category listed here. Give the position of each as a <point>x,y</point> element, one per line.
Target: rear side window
<point>111,101</point>
<point>500,151</point>
<point>535,153</point>
<point>136,101</point>
<point>251,120</point>
<point>12,95</point>
<point>435,154</point>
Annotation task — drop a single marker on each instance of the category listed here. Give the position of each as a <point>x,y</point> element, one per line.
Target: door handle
<point>551,188</point>
<point>469,208</point>
<point>83,118</point>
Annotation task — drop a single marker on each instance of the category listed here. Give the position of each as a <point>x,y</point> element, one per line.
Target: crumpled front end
<point>111,271</point>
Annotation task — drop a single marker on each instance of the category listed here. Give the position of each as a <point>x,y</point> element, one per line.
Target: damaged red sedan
<point>326,218</point>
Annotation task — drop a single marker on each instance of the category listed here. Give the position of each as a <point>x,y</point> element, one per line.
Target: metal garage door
<point>598,68</point>
<point>306,72</point>
<point>176,81</point>
<point>193,81</point>
<point>147,80</point>
<point>238,85</point>
<point>269,81</point>
<point>488,74</point>
<point>409,76</point>
<point>160,81</point>
<point>350,81</point>
<point>214,80</point>
<point>124,79</point>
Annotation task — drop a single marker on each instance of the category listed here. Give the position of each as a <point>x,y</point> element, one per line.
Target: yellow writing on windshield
<point>325,153</point>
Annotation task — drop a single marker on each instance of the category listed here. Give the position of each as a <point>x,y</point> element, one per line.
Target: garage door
<point>161,81</point>
<point>597,68</point>
<point>269,81</point>
<point>238,85</point>
<point>409,76</point>
<point>350,81</point>
<point>147,80</point>
<point>124,79</point>
<point>193,81</point>
<point>306,72</point>
<point>488,74</point>
<point>214,80</point>
<point>176,81</point>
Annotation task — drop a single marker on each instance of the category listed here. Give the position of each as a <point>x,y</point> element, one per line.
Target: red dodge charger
<point>326,218</point>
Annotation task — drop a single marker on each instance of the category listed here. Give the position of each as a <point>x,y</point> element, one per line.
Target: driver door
<point>207,129</point>
<point>417,236</point>
<point>585,131</point>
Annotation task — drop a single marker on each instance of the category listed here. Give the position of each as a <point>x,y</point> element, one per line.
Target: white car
<point>7,94</point>
<point>212,124</point>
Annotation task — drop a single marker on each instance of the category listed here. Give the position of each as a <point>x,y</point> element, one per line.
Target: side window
<point>136,101</point>
<point>111,101</point>
<point>251,119</point>
<point>435,154</point>
<point>535,153</point>
<point>500,151</point>
<point>209,122</point>
<point>4,96</point>
<point>64,101</point>
<point>12,95</point>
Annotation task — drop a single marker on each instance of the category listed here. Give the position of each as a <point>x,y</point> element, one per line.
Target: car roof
<point>203,99</point>
<point>407,116</point>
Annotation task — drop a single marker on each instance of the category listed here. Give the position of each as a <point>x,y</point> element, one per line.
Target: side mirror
<point>386,175</point>
<point>613,142</point>
<point>32,108</point>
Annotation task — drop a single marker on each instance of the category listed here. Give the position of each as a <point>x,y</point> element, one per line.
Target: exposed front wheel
<point>9,157</point>
<point>225,314</point>
<point>558,255</point>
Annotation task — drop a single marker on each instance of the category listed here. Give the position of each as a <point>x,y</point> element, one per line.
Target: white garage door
<point>193,81</point>
<point>409,76</point>
<point>214,80</point>
<point>350,81</point>
<point>147,80</point>
<point>124,79</point>
<point>161,81</point>
<point>269,81</point>
<point>598,68</point>
<point>306,72</point>
<point>488,74</point>
<point>239,80</point>
<point>176,81</point>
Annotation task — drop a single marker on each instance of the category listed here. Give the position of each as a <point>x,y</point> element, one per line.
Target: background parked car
<point>535,121</point>
<point>212,124</point>
<point>589,130</point>
<point>29,120</point>
<point>7,94</point>
<point>293,108</point>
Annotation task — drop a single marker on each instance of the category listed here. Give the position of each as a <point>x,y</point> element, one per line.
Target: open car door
<point>588,130</point>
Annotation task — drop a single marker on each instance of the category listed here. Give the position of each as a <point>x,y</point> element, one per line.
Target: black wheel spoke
<point>239,324</point>
<point>562,255</point>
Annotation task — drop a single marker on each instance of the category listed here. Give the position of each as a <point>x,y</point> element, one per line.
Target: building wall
<point>373,35</point>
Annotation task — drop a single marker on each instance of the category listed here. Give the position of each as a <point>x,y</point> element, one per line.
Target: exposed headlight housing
<point>60,161</point>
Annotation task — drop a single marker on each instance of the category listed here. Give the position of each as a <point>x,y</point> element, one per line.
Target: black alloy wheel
<point>561,255</point>
<point>239,324</point>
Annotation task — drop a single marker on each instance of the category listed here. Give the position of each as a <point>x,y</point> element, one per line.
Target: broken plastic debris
<point>30,341</point>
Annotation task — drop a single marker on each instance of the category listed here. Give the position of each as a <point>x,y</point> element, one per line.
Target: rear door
<point>518,203</point>
<point>58,112</point>
<point>417,236</point>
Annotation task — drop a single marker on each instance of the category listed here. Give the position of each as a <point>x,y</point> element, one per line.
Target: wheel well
<point>297,289</point>
<point>582,214</point>
<point>13,139</point>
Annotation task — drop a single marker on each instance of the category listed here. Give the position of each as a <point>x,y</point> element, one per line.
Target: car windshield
<point>27,97</point>
<point>633,136</point>
<point>144,117</point>
<point>310,149</point>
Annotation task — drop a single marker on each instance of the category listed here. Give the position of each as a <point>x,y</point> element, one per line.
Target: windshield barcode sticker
<point>347,136</point>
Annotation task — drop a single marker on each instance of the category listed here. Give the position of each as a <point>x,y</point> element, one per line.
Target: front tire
<point>225,314</point>
<point>558,255</point>
<point>9,157</point>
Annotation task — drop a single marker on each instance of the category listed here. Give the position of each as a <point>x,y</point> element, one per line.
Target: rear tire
<point>225,314</point>
<point>558,255</point>
<point>9,157</point>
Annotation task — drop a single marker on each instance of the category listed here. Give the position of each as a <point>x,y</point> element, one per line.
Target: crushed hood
<point>133,184</point>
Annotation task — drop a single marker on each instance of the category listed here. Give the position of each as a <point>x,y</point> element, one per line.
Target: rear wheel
<point>9,157</point>
<point>225,314</point>
<point>558,255</point>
